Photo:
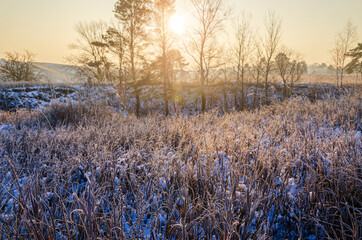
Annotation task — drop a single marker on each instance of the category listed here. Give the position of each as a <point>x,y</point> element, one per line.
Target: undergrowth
<point>291,170</point>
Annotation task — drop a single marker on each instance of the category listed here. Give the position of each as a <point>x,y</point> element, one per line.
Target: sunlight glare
<point>177,24</point>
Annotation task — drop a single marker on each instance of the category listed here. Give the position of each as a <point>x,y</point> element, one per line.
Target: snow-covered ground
<point>185,98</point>
<point>272,173</point>
<point>37,97</point>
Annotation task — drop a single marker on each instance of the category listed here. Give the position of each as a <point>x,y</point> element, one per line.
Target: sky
<point>46,27</point>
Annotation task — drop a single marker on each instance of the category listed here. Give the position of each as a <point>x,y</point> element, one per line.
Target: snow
<point>358,136</point>
<point>4,127</point>
<point>292,188</point>
<point>37,97</point>
<point>126,162</point>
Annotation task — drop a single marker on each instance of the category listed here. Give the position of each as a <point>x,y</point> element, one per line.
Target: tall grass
<point>291,170</point>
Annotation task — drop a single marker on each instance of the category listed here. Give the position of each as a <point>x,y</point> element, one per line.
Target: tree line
<point>146,50</point>
<point>139,48</point>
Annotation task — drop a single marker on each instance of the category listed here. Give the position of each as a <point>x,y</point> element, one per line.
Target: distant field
<point>53,73</point>
<point>56,73</point>
<point>331,79</point>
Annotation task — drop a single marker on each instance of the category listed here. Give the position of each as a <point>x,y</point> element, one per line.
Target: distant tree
<point>284,67</point>
<point>290,68</point>
<point>116,42</point>
<point>210,16</point>
<point>91,57</point>
<point>270,44</point>
<point>162,12</point>
<point>224,77</point>
<point>298,68</point>
<point>355,65</point>
<point>331,69</point>
<point>257,70</point>
<point>242,52</point>
<point>18,67</point>
<point>176,63</point>
<point>343,43</point>
<point>323,65</point>
<point>134,15</point>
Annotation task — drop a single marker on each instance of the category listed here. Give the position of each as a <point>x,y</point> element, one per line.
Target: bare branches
<point>92,58</point>
<point>270,43</point>
<point>210,15</point>
<point>18,67</point>
<point>134,15</point>
<point>242,51</point>
<point>290,68</point>
<point>343,43</point>
<point>162,13</point>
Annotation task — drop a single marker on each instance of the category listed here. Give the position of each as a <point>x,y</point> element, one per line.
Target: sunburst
<point>177,24</point>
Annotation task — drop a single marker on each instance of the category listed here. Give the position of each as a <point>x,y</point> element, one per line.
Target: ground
<point>284,171</point>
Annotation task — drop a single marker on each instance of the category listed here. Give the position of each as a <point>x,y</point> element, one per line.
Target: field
<point>285,171</point>
<point>180,120</point>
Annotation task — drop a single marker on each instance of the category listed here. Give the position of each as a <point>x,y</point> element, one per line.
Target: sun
<point>177,24</point>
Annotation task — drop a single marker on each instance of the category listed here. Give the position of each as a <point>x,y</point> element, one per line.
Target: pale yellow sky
<point>46,27</point>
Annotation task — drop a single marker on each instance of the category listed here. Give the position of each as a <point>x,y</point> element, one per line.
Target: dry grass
<point>349,79</point>
<point>290,170</point>
<point>46,83</point>
<point>28,84</point>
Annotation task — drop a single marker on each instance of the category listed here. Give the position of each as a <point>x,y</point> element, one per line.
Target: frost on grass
<point>37,97</point>
<point>287,171</point>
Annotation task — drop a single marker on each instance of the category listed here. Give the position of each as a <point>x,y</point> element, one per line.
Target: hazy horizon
<point>46,28</point>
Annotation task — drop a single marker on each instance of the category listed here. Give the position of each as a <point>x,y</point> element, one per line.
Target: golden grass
<point>291,170</point>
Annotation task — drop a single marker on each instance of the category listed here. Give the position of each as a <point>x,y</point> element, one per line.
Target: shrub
<point>19,67</point>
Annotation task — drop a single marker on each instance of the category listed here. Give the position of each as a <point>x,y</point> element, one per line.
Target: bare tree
<point>270,44</point>
<point>343,43</point>
<point>116,41</point>
<point>290,68</point>
<point>18,67</point>
<point>224,80</point>
<point>134,16</point>
<point>298,68</point>
<point>257,70</point>
<point>92,59</point>
<point>210,15</point>
<point>242,52</point>
<point>283,65</point>
<point>162,12</point>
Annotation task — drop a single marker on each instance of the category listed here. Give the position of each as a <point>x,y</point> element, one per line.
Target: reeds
<point>290,170</point>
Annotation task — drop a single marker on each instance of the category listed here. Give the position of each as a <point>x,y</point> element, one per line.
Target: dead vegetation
<point>291,170</point>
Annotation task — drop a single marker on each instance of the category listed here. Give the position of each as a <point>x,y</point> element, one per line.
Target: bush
<point>19,67</point>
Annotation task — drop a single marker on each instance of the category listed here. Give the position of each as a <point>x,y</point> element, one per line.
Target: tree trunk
<point>266,83</point>
<point>203,100</point>
<point>138,104</point>
<point>337,75</point>
<point>235,98</point>
<point>165,96</point>
<point>226,107</point>
<point>242,90</point>
<point>285,89</point>
<point>202,76</point>
<point>164,63</point>
<point>342,71</point>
